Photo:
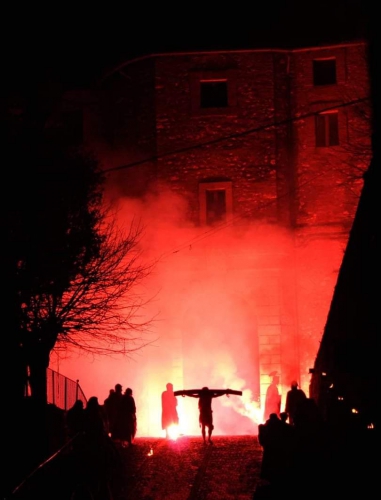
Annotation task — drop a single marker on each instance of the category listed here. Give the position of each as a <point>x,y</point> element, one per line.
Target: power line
<point>238,134</point>
<point>224,225</point>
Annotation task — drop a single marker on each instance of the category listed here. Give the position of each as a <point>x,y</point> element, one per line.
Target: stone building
<point>264,151</point>
<point>344,379</point>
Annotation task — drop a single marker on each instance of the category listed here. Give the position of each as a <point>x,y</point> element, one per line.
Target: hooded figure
<point>272,401</point>
<point>169,415</point>
<point>294,398</point>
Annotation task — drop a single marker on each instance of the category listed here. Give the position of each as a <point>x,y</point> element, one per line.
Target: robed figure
<point>169,415</point>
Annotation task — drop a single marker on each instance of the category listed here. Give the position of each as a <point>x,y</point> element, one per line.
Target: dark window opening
<point>215,206</point>
<point>324,71</point>
<point>327,129</point>
<point>214,94</point>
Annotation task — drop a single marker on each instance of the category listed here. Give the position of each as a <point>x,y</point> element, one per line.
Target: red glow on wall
<point>225,312</point>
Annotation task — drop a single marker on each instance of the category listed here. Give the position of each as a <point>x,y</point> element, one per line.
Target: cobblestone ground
<point>186,469</point>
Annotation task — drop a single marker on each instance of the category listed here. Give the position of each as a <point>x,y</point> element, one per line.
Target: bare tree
<point>99,312</point>
<point>71,274</point>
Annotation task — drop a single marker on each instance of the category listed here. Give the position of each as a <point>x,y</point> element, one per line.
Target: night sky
<point>75,47</point>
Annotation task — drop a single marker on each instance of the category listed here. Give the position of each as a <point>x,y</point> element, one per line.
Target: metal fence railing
<point>62,391</point>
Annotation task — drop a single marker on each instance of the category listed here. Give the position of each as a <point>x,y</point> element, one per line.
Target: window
<point>324,71</point>
<point>327,129</point>
<point>215,202</point>
<point>215,206</point>
<point>213,93</point>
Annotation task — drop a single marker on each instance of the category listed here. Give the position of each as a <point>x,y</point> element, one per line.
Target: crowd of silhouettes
<point>294,445</point>
<point>96,434</point>
<point>115,419</point>
<point>94,460</point>
<point>294,442</point>
<point>120,415</point>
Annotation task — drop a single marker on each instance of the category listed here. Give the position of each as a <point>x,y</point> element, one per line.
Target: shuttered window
<point>327,129</point>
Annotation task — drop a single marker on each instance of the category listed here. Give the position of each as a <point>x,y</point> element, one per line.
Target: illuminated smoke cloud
<point>206,290</point>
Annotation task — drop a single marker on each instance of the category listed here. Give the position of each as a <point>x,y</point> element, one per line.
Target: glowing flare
<point>173,432</point>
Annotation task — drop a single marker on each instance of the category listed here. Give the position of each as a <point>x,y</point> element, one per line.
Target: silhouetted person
<point>277,442</point>
<point>283,417</point>
<point>125,425</point>
<point>111,407</point>
<point>205,411</point>
<point>107,410</point>
<point>95,458</point>
<point>294,398</point>
<point>94,424</point>
<point>288,437</point>
<point>312,453</point>
<point>272,401</point>
<point>75,419</point>
<point>56,426</point>
<point>169,415</point>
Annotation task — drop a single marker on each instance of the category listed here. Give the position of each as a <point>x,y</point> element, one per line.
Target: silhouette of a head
<point>92,402</point>
<point>274,376</point>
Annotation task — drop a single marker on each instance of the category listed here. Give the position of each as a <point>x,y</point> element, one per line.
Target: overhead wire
<point>223,225</point>
<point>236,135</point>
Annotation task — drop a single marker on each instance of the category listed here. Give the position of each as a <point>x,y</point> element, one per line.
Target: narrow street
<point>186,469</point>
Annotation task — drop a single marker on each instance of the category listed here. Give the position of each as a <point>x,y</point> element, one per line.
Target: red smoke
<point>218,301</point>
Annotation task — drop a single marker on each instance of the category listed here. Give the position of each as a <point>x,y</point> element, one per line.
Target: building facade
<point>345,375</point>
<point>264,151</point>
